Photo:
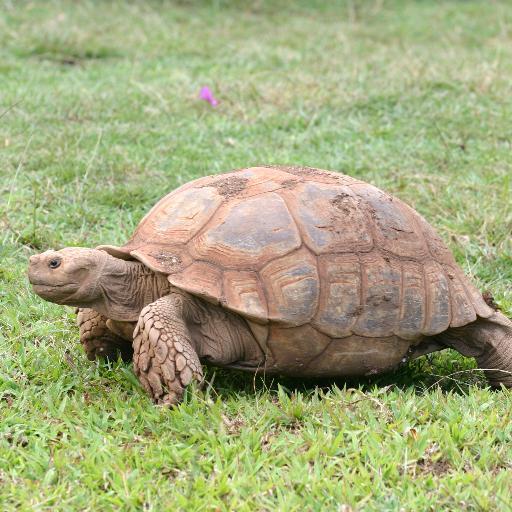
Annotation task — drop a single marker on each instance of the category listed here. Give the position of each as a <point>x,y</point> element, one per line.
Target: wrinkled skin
<point>69,276</point>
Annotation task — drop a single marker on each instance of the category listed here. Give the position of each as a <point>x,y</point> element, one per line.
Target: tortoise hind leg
<point>98,340</point>
<point>489,341</point>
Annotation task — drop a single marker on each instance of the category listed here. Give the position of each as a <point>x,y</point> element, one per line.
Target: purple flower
<point>208,96</point>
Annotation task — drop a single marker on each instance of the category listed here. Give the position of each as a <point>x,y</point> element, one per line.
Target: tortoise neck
<point>126,287</point>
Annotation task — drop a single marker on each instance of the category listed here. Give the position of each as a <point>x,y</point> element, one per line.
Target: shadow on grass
<point>446,371</point>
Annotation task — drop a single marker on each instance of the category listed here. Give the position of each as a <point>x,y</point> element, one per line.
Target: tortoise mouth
<point>60,291</point>
<point>51,285</point>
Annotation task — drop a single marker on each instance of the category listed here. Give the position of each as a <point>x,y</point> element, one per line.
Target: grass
<point>100,117</point>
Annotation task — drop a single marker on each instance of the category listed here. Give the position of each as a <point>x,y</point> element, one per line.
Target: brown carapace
<point>331,276</point>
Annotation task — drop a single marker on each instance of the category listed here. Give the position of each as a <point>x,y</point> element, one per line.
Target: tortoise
<point>280,270</point>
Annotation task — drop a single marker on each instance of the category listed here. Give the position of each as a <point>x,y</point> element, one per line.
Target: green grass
<point>100,117</point>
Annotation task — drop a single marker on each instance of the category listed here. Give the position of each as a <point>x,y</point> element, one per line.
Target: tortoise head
<point>70,276</point>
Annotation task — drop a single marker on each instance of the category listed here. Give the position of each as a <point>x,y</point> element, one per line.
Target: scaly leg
<point>165,360</point>
<point>496,360</point>
<point>489,341</point>
<point>98,341</point>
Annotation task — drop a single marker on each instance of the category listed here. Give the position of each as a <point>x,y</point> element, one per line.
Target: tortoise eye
<point>54,263</point>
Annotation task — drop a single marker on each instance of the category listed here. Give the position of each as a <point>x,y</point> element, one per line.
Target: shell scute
<point>381,287</point>
<point>437,294</point>
<point>340,294</point>
<point>292,287</point>
<point>462,310</point>
<point>202,279</point>
<point>244,293</point>
<point>395,228</point>
<point>246,234</point>
<point>437,248</point>
<point>412,315</point>
<point>178,216</point>
<point>330,218</point>
<point>481,308</point>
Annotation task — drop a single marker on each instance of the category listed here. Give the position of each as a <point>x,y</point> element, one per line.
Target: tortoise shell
<point>298,246</point>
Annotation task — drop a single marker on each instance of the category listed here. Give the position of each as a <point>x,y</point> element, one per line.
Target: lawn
<point>99,117</point>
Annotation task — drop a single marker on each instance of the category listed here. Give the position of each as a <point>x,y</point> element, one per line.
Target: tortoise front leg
<point>164,358</point>
<point>98,340</point>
